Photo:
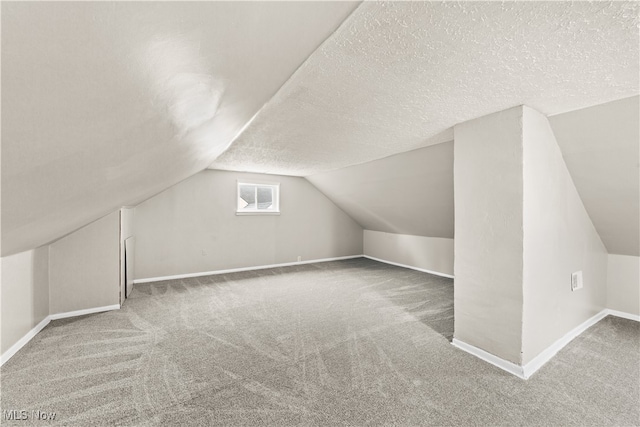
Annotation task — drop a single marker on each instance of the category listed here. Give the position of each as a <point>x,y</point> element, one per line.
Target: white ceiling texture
<point>107,103</point>
<point>397,76</point>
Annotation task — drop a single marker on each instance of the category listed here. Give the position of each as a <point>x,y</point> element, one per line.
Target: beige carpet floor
<point>341,343</point>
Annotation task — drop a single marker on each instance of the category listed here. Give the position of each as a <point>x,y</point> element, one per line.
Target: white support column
<point>488,191</point>
<point>521,230</point>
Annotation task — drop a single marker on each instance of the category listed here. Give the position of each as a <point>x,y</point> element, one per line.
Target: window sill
<point>257,213</point>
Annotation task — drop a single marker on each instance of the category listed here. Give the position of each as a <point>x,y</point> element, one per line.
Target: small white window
<point>256,198</point>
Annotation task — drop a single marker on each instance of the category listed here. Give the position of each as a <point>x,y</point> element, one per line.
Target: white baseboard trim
<point>510,367</point>
<point>542,358</point>
<point>40,326</point>
<point>537,362</point>
<point>84,312</point>
<point>623,315</point>
<point>237,270</point>
<point>397,264</point>
<point>23,341</point>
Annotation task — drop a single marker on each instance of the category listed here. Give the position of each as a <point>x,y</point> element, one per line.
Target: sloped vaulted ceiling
<point>601,147</point>
<point>407,193</point>
<point>396,75</point>
<point>107,103</point>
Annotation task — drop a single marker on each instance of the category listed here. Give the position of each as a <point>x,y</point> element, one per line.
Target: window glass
<point>265,197</point>
<point>258,198</point>
<point>248,196</point>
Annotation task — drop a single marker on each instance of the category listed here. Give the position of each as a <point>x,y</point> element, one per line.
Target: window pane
<point>248,195</point>
<point>257,198</point>
<point>265,197</point>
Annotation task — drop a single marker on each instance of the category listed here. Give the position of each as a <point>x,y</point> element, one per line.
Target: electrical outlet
<point>299,258</point>
<point>576,280</point>
<point>204,253</point>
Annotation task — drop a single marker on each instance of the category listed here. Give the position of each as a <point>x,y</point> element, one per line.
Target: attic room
<point>320,213</point>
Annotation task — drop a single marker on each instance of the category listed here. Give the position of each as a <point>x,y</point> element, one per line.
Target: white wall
<point>488,235</point>
<point>427,253</point>
<point>79,271</point>
<point>84,270</point>
<point>25,294</point>
<point>193,227</point>
<point>559,238</point>
<point>623,283</point>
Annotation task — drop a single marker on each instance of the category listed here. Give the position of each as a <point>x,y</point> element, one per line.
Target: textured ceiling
<point>408,193</point>
<point>601,147</point>
<point>396,75</point>
<point>107,103</point>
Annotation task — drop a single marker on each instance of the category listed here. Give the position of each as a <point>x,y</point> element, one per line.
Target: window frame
<point>275,186</point>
